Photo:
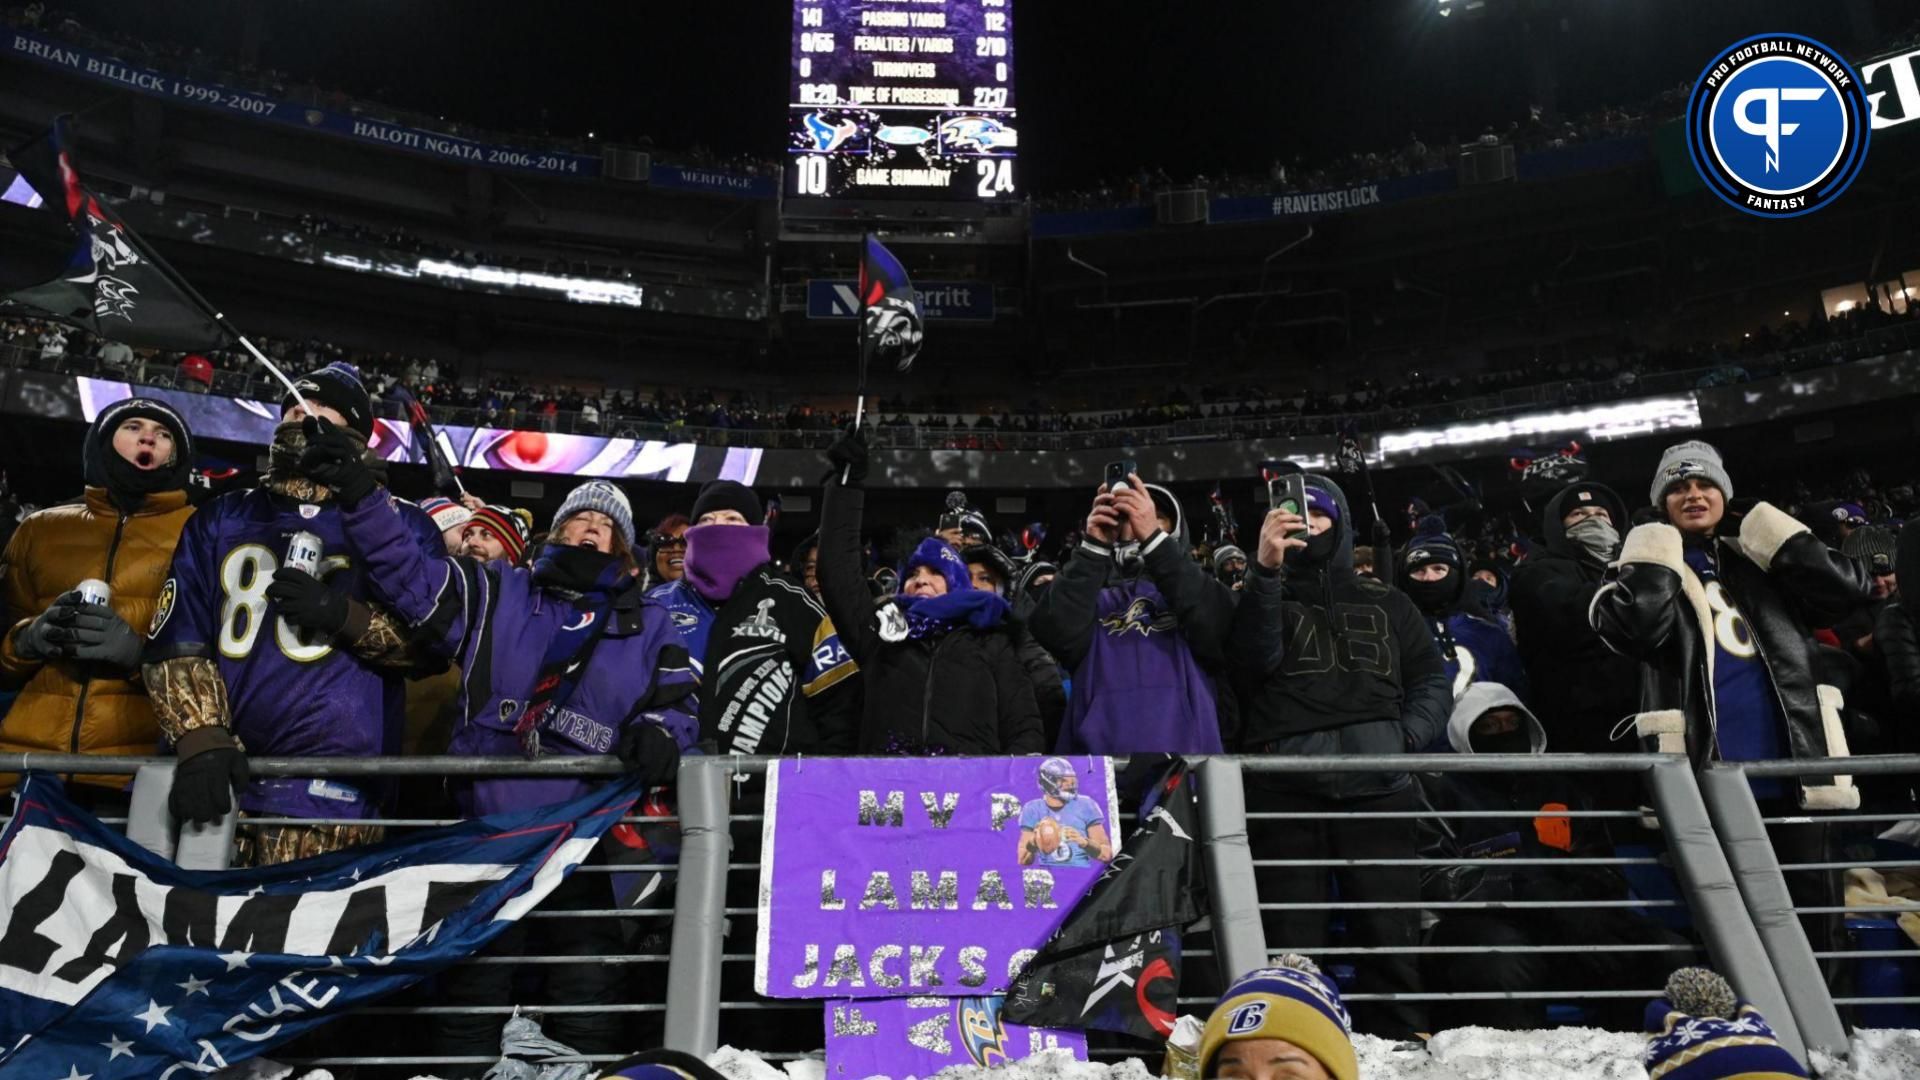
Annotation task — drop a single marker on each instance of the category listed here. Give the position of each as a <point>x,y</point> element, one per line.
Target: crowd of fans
<point>1683,615</point>
<point>1241,410</point>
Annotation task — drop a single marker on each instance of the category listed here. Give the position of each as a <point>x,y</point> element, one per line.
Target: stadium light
<point>580,290</point>
<point>1600,423</point>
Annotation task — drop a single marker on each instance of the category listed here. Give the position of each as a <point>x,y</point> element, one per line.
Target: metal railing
<point>1796,899</point>
<point>1705,830</point>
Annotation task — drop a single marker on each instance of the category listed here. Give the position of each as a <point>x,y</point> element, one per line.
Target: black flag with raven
<point>1115,963</point>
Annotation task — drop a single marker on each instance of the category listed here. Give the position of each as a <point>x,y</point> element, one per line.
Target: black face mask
<point>1320,548</point>
<point>1517,741</point>
<point>575,569</point>
<point>1433,597</point>
<point>128,485</point>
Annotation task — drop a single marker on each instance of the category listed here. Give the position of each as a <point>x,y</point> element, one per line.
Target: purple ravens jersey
<point>290,693</point>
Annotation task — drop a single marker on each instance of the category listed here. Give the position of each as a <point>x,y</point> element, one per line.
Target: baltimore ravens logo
<point>893,326</point>
<point>163,609</point>
<point>1247,1018</point>
<point>980,133</point>
<point>684,620</point>
<point>1141,616</point>
<point>893,625</point>
<point>981,1030</point>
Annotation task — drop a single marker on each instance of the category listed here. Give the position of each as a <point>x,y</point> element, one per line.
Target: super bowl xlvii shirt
<point>1079,814</point>
<point>773,673</point>
<point>289,693</point>
<point>1746,714</point>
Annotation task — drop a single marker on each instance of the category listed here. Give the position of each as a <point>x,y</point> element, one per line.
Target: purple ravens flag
<point>112,285</point>
<point>115,964</point>
<point>890,325</point>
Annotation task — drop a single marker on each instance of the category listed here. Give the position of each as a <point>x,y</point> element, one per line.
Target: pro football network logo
<point>1778,125</point>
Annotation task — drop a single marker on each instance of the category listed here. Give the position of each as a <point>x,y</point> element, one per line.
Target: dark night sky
<point>1103,85</point>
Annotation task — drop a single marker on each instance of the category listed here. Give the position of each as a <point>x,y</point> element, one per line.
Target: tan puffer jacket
<point>59,709</point>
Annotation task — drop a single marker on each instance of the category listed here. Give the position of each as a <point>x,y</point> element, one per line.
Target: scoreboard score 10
<point>902,101</point>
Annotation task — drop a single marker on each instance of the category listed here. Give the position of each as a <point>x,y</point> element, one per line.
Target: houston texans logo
<point>829,137</point>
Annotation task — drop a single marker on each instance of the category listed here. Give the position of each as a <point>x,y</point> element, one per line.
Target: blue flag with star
<point>115,963</point>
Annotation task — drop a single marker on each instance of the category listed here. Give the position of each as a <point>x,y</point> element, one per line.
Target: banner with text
<point>905,1038</point>
<point>108,951</point>
<point>923,876</point>
<point>249,105</point>
<point>1303,205</point>
<point>830,299</point>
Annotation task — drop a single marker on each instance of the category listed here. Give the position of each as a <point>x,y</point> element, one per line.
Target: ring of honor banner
<point>116,964</point>
<point>904,1038</point>
<point>907,877</point>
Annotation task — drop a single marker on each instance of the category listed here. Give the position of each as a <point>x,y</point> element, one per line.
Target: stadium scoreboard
<point>902,99</point>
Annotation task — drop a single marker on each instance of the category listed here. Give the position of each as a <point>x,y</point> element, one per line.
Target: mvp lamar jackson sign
<point>904,877</point>
<point>114,963</point>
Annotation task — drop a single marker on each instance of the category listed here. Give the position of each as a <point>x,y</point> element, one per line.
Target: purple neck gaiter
<point>718,556</point>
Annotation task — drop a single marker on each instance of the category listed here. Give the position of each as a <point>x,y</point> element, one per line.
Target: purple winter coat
<point>496,622</point>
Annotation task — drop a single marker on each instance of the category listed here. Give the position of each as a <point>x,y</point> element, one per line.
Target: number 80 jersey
<point>290,693</point>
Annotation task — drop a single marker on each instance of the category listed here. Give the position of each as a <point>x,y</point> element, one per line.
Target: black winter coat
<point>1896,639</point>
<point>965,692</point>
<point>1581,688</point>
<point>1326,661</point>
<point>1785,583</point>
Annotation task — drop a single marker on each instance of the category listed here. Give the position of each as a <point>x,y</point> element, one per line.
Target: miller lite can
<point>303,552</point>
<point>94,591</point>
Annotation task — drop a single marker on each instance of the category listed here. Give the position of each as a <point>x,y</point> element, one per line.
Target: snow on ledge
<point>1461,1054</point>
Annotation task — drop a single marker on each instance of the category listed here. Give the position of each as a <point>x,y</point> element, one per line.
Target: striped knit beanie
<point>1701,1031</point>
<point>446,513</point>
<point>502,523</point>
<point>600,497</point>
<point>1294,1002</point>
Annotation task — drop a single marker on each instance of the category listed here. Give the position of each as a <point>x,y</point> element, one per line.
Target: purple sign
<point>890,877</point>
<point>905,1038</point>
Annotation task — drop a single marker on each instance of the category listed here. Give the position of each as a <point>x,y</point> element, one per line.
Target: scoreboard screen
<point>908,99</point>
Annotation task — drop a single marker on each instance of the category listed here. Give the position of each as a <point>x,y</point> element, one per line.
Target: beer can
<point>303,552</point>
<point>94,591</point>
<point>1183,1050</point>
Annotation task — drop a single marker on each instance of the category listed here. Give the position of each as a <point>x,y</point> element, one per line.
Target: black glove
<point>650,752</point>
<point>212,767</point>
<point>96,634</point>
<point>41,639</point>
<point>336,459</point>
<point>306,602</point>
<point>849,457</point>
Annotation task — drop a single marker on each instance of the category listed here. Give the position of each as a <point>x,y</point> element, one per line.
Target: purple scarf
<point>931,616</point>
<point>718,556</point>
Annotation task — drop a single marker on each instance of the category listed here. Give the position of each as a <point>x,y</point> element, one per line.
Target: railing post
<point>1239,939</point>
<point>1743,835</point>
<point>148,823</point>
<point>1732,941</point>
<point>699,908</point>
